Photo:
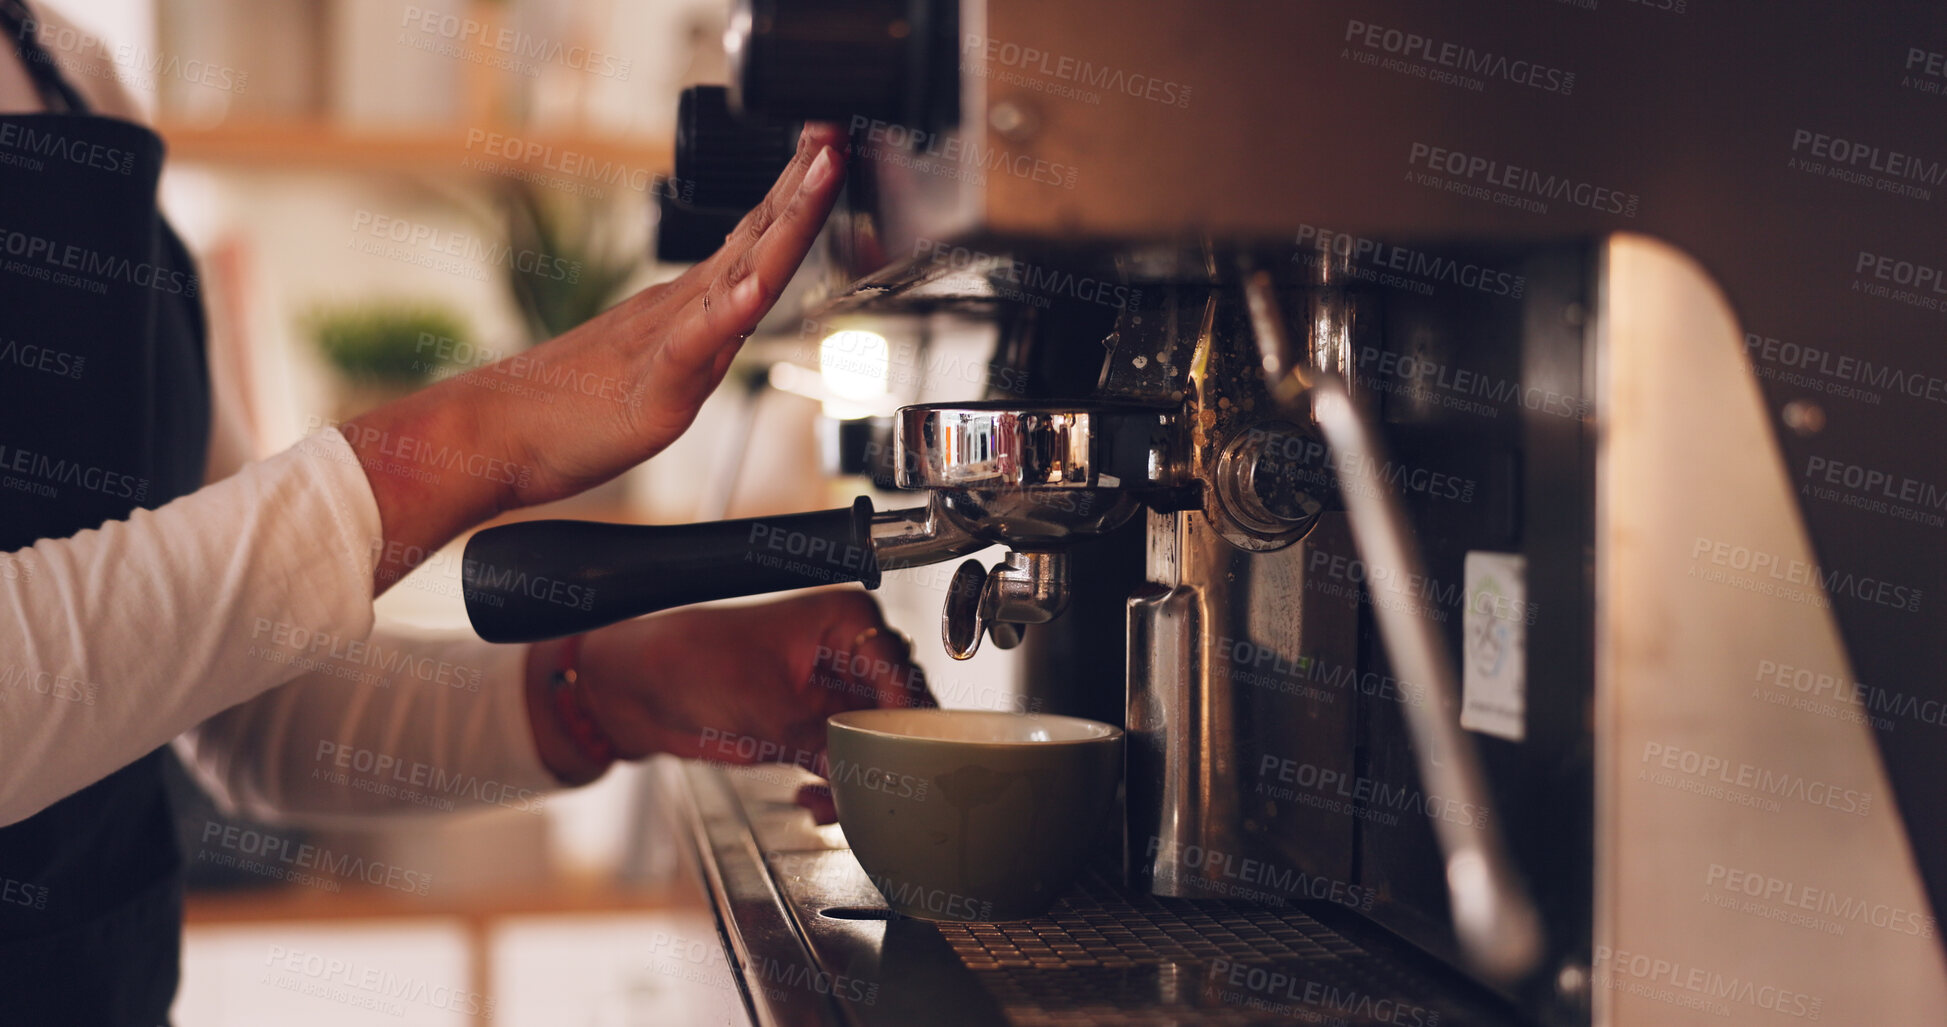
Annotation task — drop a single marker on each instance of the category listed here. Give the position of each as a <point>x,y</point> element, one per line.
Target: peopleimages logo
<point>902,361</point>
<point>902,146</point>
<point>1797,580</point>
<point>579,168</point>
<point>1862,164</point>
<point>1901,272</point>
<point>1311,461</point>
<point>1364,793</point>
<point>378,770</point>
<point>514,43</point>
<point>514,373</point>
<point>812,556</point>
<point>1267,880</point>
<point>82,268</point>
<point>1707,989</point>
<point>903,786</point>
<point>41,474</point>
<point>285,857</point>
<point>419,453</point>
<point>1887,277</point>
<point>1035,283</point>
<point>1925,71</point>
<point>1705,769</point>
<point>1030,62</point>
<point>315,645</point>
<point>1876,491</point>
<point>1523,182</point>
<point>771,973</point>
<point>128,65</point>
<point>64,150</point>
<point>20,893</point>
<point>1778,678</point>
<point>1421,375</point>
<point>1459,57</point>
<point>1275,990</point>
<point>938,901</point>
<point>1837,374</point>
<point>453,252</point>
<point>1428,268</point>
<point>1421,595</point>
<point>1869,157</point>
<point>56,362</point>
<point>1265,666</point>
<point>366,986</point>
<point>1816,908</point>
<point>863,668</point>
<point>42,682</point>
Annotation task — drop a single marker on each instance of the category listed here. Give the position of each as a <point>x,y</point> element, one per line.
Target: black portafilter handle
<point>544,579</point>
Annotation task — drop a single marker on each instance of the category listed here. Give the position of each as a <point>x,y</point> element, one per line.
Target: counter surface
<point>814,944</point>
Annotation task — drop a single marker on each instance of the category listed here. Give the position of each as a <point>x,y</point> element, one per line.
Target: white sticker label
<point>1494,645</point>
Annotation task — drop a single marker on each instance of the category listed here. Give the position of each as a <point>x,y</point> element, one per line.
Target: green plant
<point>389,342</point>
<point>571,258</point>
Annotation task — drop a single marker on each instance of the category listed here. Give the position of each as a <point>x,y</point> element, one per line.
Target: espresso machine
<point>1378,427</point>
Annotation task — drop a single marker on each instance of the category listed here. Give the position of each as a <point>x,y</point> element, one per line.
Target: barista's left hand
<point>741,684</point>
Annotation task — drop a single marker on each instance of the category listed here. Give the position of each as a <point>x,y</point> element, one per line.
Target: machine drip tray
<point>824,949</point>
<point>1103,957</point>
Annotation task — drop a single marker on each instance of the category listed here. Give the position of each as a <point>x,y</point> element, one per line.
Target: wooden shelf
<point>591,160</point>
<point>275,904</point>
<point>479,913</point>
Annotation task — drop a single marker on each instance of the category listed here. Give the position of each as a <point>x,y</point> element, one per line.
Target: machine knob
<point>723,162</point>
<point>828,60</point>
<point>1272,478</point>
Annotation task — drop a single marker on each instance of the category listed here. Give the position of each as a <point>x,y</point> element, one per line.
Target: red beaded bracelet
<point>571,709</point>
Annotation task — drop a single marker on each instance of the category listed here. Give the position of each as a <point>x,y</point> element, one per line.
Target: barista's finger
<point>847,686</point>
<point>692,745</point>
<point>805,743</point>
<point>856,648</point>
<point>912,678</point>
<point>919,693</point>
<point>857,657</point>
<point>818,800</point>
<point>753,225</point>
<point>730,307</point>
<point>894,678</point>
<point>816,137</point>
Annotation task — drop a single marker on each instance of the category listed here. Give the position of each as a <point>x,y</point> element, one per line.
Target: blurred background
<point>380,194</point>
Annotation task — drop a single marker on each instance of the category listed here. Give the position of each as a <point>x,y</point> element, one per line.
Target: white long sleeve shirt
<point>240,617</point>
<point>238,621</point>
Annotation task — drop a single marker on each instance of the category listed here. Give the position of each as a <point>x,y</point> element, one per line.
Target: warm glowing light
<point>856,367</point>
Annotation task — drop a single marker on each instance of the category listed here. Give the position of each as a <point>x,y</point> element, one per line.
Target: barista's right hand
<point>582,408</point>
<point>742,684</point>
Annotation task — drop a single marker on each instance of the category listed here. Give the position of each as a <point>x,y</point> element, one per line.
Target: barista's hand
<point>742,684</point>
<point>580,409</point>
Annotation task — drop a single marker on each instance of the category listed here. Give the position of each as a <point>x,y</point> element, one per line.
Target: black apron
<point>104,408</point>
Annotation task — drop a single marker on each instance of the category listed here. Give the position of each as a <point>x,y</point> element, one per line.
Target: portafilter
<point>1032,477</point>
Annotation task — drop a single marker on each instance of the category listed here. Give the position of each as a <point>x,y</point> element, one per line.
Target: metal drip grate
<point>1100,957</point>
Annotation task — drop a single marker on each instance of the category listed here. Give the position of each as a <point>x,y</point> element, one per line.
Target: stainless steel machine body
<point>1384,420</point>
<point>1447,210</point>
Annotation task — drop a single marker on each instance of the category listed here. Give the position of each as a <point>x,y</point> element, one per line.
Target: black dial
<point>833,60</point>
<point>1274,480</point>
<point>723,162</point>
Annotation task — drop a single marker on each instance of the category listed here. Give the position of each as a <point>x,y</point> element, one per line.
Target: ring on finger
<point>865,636</point>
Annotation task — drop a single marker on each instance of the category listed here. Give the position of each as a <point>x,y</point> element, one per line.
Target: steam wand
<point>1493,915</point>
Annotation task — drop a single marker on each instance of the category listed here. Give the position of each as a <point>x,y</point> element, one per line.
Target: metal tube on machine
<point>1494,918</point>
